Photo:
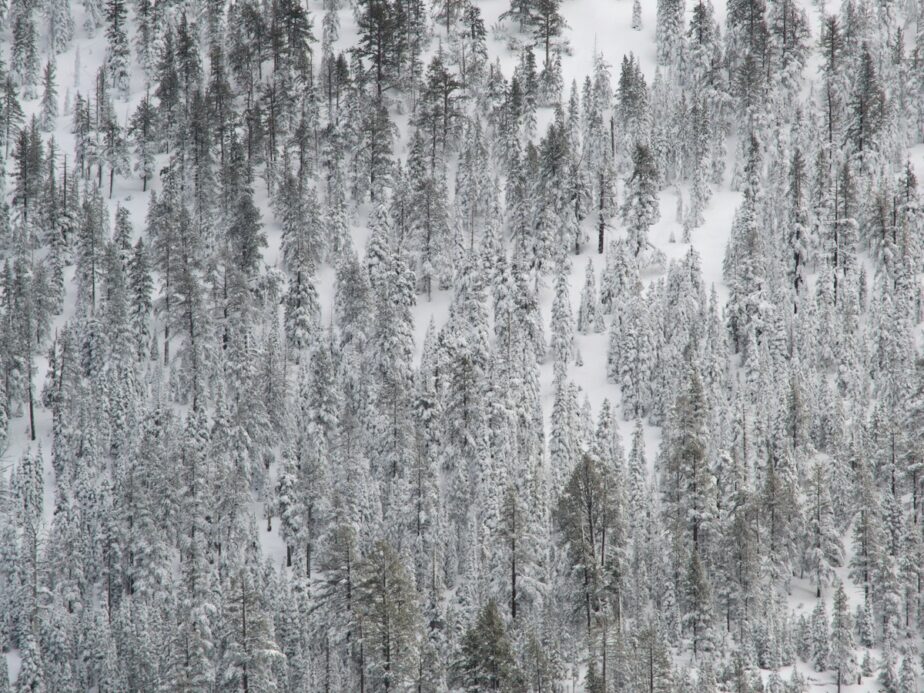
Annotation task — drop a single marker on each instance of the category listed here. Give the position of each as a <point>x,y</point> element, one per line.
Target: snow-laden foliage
<point>461,346</point>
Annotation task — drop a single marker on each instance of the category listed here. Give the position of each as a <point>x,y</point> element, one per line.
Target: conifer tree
<point>589,319</point>
<point>699,609</point>
<point>251,655</point>
<point>389,616</point>
<point>669,30</point>
<point>90,247</point>
<point>31,676</point>
<point>117,50</point>
<point>548,24</point>
<point>11,113</point>
<point>428,213</point>
<point>562,324</point>
<point>653,669</point>
<point>4,677</point>
<point>60,25</point>
<point>842,640</point>
<point>908,675</point>
<point>27,157</point>
<point>868,105</point>
<point>641,209</point>
<point>302,309</point>
<point>141,289</point>
<point>823,548</point>
<point>49,112</point>
<point>24,65</point>
<point>689,479</point>
<point>487,662</point>
<point>744,264</point>
<point>587,519</point>
<point>376,22</point>
<point>867,532</point>
<point>245,233</point>
<point>820,636</point>
<point>113,151</point>
<point>521,11</point>
<point>141,131</point>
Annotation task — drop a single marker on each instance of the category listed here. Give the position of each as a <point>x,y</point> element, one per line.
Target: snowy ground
<point>601,26</point>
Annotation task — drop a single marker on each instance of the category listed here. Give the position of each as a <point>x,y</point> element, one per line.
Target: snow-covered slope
<point>594,28</point>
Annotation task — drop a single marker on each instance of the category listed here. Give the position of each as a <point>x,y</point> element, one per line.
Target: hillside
<point>558,345</point>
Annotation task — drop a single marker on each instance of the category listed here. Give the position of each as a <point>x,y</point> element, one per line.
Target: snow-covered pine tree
<point>590,317</point>
<point>49,112</point>
<point>388,617</point>
<point>819,636</point>
<point>562,328</point>
<point>641,208</point>
<point>118,55</point>
<point>24,60</point>
<point>842,640</point>
<point>823,550</point>
<point>487,661</point>
<point>669,30</point>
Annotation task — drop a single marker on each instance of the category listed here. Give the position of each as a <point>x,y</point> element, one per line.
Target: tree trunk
<point>31,401</point>
<point>513,567</point>
<point>244,634</point>
<point>602,225</point>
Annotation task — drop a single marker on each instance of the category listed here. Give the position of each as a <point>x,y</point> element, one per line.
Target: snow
<point>595,26</point>
<point>13,663</point>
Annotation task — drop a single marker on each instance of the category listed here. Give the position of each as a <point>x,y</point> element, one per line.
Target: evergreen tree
<point>868,106</point>
<point>251,655</point>
<point>820,637</point>
<point>141,288</point>
<point>60,25</point>
<point>548,24</point>
<point>562,325</point>
<point>11,113</point>
<point>699,610</point>
<point>908,675</point>
<point>867,532</point>
<point>487,662</point>
<point>113,151</point>
<point>302,309</point>
<point>669,30</point>
<point>298,214</point>
<point>389,617</point>
<point>24,65</point>
<point>49,112</point>
<point>586,514</point>
<point>27,158</point>
<point>823,550</point>
<point>141,131</point>
<point>31,678</point>
<point>689,481</point>
<point>653,667</point>
<point>117,52</point>
<point>641,209</point>
<point>589,318</point>
<point>842,640</point>
<point>376,22</point>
